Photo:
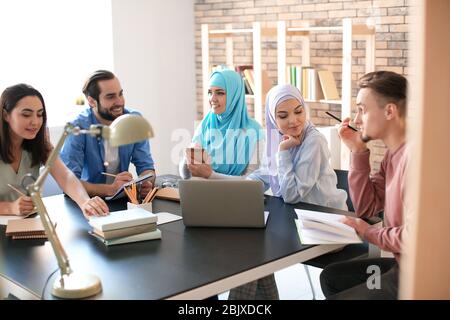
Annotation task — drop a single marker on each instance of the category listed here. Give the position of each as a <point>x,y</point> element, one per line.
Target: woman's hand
<point>23,205</point>
<point>289,142</point>
<point>94,207</point>
<point>203,170</point>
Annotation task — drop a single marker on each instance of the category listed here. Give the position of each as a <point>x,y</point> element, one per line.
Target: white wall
<point>54,45</point>
<point>154,58</point>
<point>334,145</point>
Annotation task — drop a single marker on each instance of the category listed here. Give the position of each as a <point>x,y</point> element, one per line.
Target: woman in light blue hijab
<point>228,135</point>
<point>297,167</point>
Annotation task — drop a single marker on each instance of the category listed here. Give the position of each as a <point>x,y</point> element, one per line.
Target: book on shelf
<point>313,84</point>
<point>242,68</point>
<point>305,82</point>
<point>298,76</point>
<point>248,76</point>
<point>152,235</point>
<point>123,219</point>
<point>248,88</point>
<point>328,84</point>
<point>26,229</point>
<point>123,232</point>
<point>315,89</point>
<point>324,228</point>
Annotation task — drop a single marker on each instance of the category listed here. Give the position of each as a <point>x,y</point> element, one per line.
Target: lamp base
<point>76,286</point>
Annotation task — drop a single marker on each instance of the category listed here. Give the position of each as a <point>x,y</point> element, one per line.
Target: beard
<point>106,114</point>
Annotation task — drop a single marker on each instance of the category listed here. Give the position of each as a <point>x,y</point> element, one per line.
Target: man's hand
<point>356,223</point>
<point>119,181</point>
<point>351,138</point>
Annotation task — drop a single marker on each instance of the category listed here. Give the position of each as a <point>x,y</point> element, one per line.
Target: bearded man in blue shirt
<point>89,158</point>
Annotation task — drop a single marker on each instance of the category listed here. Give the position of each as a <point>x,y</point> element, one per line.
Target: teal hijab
<point>229,138</point>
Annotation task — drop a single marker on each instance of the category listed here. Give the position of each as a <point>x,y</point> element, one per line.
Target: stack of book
<point>324,228</point>
<point>125,226</point>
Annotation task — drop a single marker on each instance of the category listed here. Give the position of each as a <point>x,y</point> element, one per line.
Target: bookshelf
<point>350,32</point>
<point>257,33</point>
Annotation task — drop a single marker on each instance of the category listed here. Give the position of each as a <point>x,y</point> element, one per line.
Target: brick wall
<point>390,17</point>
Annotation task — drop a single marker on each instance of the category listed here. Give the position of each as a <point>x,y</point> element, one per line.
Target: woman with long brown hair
<point>24,147</point>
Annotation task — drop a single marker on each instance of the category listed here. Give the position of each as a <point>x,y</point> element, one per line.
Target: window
<point>53,46</point>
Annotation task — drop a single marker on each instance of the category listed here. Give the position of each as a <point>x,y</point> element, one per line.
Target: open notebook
<point>323,228</point>
<point>26,229</point>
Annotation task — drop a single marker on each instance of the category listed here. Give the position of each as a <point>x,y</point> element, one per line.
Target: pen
<point>334,117</point>
<point>17,190</point>
<point>109,174</point>
<point>23,195</point>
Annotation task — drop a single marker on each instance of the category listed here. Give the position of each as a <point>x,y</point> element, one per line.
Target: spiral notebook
<point>26,229</point>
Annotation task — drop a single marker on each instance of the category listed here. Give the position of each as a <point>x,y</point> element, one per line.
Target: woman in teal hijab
<point>228,135</point>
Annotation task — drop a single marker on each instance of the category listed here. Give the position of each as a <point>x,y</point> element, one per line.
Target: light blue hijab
<point>229,138</point>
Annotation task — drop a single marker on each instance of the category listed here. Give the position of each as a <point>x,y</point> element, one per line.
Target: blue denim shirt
<point>84,154</point>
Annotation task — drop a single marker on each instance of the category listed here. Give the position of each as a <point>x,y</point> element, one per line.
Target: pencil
<point>150,195</point>
<point>109,174</point>
<point>130,196</point>
<point>336,118</point>
<point>17,190</point>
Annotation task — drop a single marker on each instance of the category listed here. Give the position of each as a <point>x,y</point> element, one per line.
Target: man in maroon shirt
<point>381,103</point>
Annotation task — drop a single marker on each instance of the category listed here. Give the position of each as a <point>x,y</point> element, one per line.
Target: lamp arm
<point>123,130</point>
<point>34,191</point>
<point>60,253</point>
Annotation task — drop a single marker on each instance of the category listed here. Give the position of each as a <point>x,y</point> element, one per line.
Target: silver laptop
<point>222,203</point>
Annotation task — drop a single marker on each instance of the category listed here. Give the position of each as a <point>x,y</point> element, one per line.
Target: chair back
<point>342,183</point>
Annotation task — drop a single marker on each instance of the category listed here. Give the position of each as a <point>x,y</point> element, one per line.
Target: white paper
<point>266,216</point>
<point>4,219</point>
<point>166,217</point>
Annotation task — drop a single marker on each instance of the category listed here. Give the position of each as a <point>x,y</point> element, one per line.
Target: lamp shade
<point>126,129</point>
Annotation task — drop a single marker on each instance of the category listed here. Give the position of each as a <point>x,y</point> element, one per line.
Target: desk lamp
<point>125,129</point>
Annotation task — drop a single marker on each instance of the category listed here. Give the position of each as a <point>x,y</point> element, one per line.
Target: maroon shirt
<point>384,190</point>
